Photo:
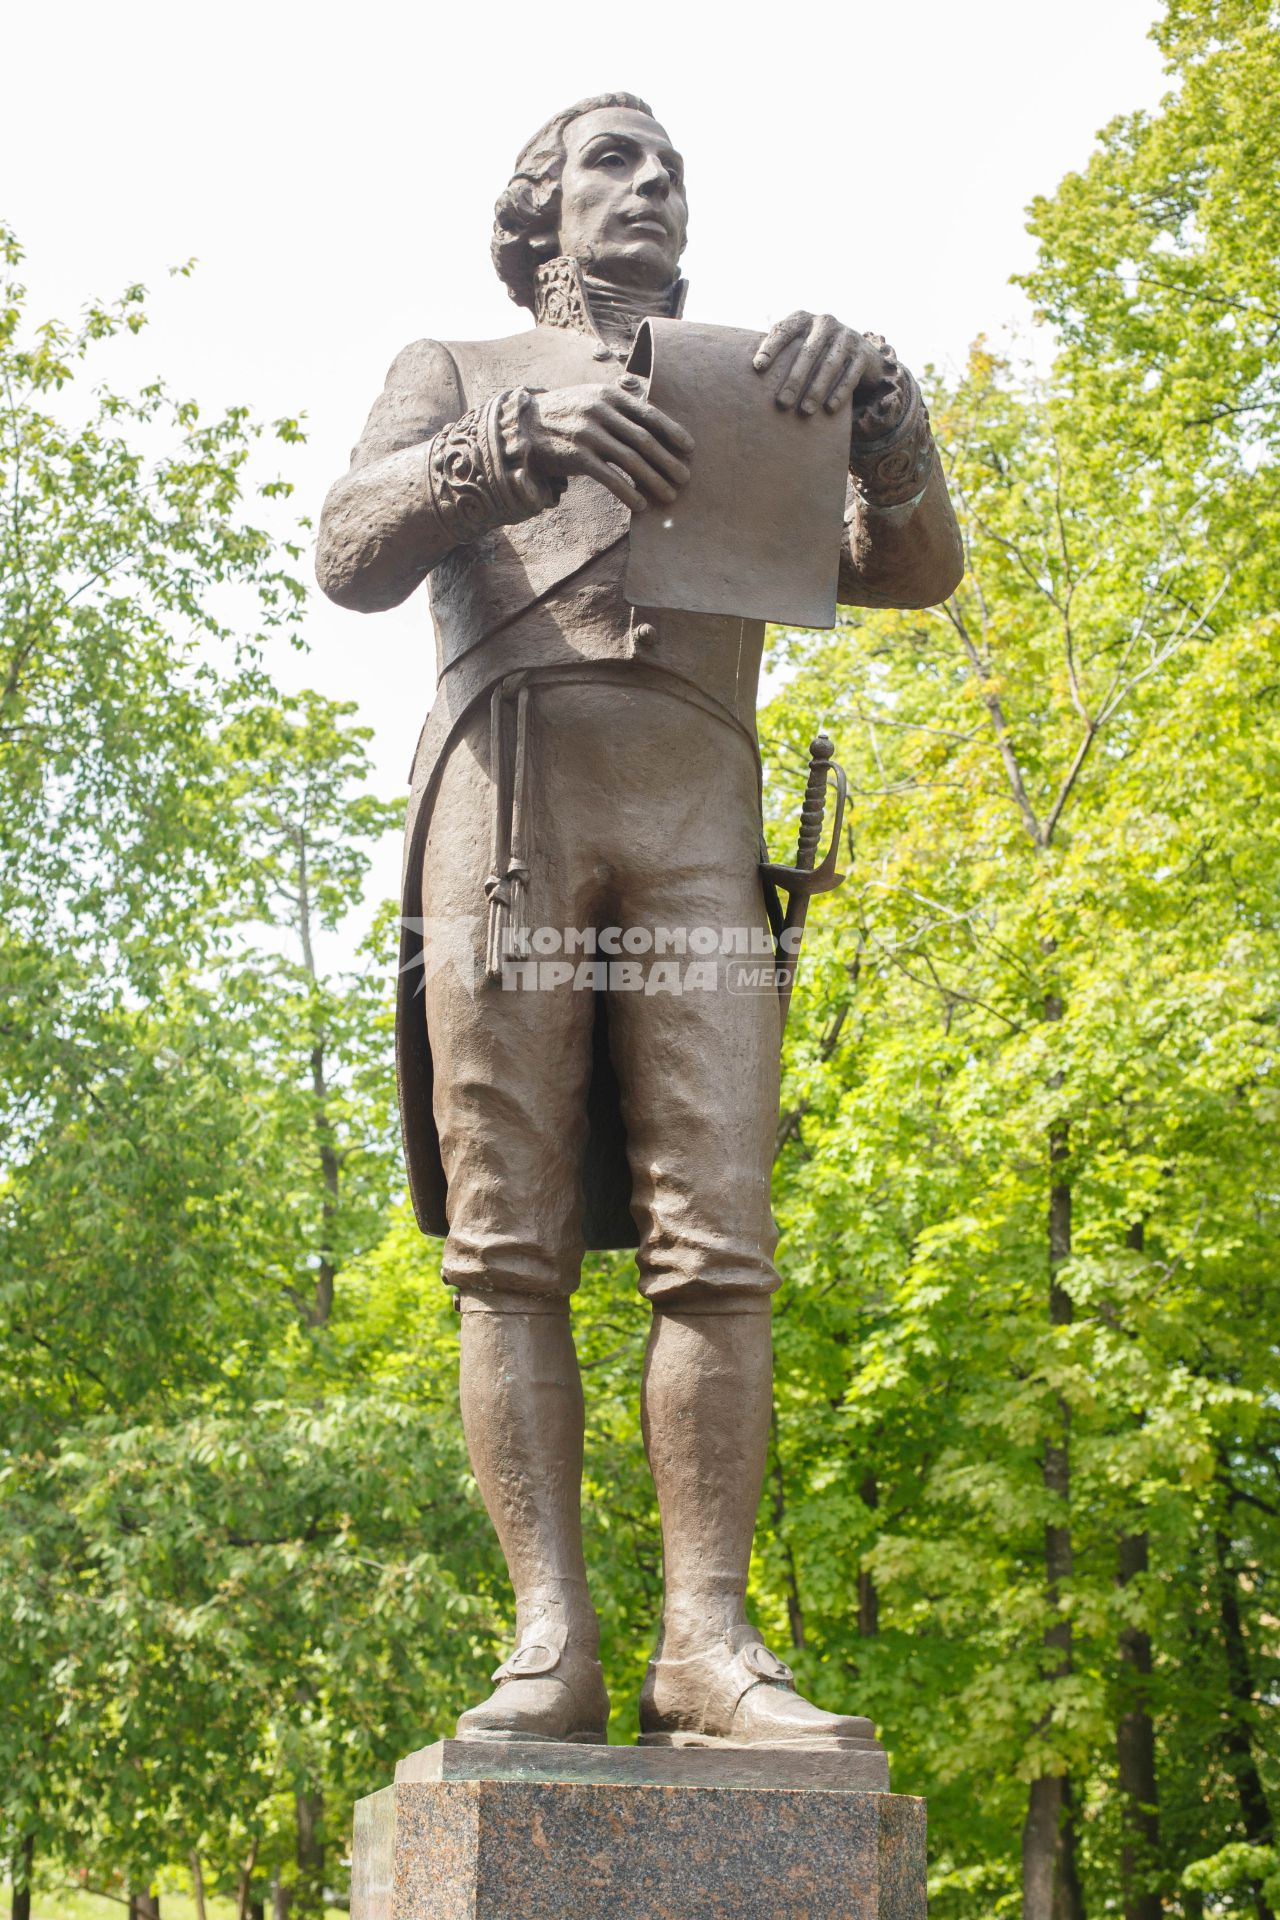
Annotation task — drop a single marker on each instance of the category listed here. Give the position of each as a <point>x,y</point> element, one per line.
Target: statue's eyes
<point>612,158</point>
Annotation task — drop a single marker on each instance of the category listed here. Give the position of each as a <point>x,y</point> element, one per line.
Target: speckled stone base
<point>568,1847</point>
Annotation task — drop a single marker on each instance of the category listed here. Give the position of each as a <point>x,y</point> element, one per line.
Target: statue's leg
<point>706,1407</point>
<point>511,1074</point>
<point>698,1073</point>
<point>523,1417</point>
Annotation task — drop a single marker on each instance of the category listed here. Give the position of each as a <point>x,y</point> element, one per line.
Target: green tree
<point>1024,1497</point>
<point>1029,1119</point>
<point>1025,1150</point>
<point>115,666</point>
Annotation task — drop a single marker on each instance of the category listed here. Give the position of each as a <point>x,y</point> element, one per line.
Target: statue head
<point>601,182</point>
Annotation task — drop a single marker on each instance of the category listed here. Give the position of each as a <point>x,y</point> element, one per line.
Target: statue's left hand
<point>823,362</point>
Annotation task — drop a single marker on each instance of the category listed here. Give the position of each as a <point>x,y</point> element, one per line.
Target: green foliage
<point>1236,1868</point>
<point>1024,1492</point>
<point>238,1550</point>
<point>1055,966</point>
<point>1060,924</point>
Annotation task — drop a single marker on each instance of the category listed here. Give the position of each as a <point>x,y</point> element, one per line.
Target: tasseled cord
<point>506,887</point>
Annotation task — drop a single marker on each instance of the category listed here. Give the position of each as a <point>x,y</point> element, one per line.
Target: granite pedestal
<point>541,1832</point>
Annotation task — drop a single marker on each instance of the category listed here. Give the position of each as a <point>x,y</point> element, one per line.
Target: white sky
<point>334,170</point>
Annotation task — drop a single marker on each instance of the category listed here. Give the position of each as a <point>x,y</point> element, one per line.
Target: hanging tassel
<point>507,885</point>
<point>517,875</point>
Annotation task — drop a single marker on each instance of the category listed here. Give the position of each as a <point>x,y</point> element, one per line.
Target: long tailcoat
<point>545,593</point>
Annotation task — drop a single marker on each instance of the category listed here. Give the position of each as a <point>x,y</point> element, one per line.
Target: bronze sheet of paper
<point>756,531</point>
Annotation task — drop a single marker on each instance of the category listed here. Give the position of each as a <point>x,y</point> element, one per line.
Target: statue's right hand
<point>611,434</point>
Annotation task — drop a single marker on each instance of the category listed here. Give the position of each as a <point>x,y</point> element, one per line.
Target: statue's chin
<point>642,264</point>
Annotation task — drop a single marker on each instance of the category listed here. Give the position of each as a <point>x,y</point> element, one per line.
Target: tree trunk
<point>309,1890</point>
<point>1068,1894</point>
<point>1050,1874</point>
<point>247,1908</point>
<point>1136,1754</point>
<point>281,1899</point>
<point>320,1307</point>
<point>1237,1743</point>
<point>23,1872</point>
<point>868,1598</point>
<point>1040,1833</point>
<point>197,1885</point>
<point>791,1573</point>
<point>144,1904</point>
<point>331,1178</point>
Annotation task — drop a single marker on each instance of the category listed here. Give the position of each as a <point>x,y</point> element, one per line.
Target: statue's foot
<point>547,1690</point>
<point>738,1694</point>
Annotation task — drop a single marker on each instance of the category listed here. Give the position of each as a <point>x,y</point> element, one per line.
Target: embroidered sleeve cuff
<point>478,470</point>
<point>891,451</point>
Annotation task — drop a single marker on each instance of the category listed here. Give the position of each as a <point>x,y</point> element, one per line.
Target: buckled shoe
<point>546,1690</point>
<point>738,1694</point>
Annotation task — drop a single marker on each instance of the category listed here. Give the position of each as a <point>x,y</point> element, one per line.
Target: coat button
<point>601,352</point>
<point>645,633</point>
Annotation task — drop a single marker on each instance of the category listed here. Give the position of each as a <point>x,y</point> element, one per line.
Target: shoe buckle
<point>766,1665</point>
<point>527,1662</point>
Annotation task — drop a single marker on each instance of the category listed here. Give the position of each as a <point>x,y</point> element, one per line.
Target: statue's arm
<point>427,474</point>
<point>901,545</point>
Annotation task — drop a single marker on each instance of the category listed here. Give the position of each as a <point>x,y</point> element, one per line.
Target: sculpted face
<point>623,211</point>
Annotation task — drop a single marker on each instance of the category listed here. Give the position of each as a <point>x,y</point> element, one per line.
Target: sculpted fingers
<point>609,476</point>
<point>849,379</point>
<point>623,427</point>
<point>632,405</point>
<point>630,461</point>
<point>824,333</point>
<point>612,435</point>
<point>794,327</point>
<point>833,367</point>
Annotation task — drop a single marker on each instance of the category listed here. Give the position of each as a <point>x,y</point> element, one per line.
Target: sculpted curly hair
<point>527,214</point>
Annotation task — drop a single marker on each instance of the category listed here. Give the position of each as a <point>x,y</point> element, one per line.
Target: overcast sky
<point>334,170</point>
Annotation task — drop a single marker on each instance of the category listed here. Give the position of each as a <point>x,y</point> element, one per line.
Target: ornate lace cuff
<point>478,470</point>
<point>892,445</point>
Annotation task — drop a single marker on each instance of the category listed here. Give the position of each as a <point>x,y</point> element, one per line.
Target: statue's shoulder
<point>426,368</point>
<point>456,372</point>
<point>537,357</point>
<point>432,382</point>
<point>422,392</point>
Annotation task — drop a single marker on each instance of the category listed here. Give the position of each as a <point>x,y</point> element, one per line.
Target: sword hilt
<point>809,875</point>
<point>813,811</point>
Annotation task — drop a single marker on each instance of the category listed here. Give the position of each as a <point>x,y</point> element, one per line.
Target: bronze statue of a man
<point>590,765</point>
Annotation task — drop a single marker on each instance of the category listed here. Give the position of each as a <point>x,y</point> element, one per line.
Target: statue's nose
<point>653,180</point>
